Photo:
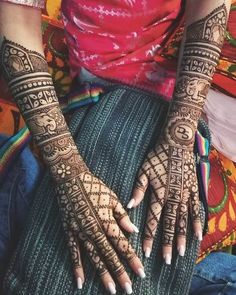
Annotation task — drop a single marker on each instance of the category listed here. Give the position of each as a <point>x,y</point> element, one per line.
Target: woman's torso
<point>118,40</point>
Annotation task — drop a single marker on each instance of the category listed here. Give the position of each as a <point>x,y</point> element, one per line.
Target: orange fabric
<point>10,118</point>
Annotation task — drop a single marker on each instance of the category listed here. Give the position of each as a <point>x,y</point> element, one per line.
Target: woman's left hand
<point>169,169</point>
<point>171,174</point>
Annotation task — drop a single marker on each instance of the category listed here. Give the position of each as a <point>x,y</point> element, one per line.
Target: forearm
<point>204,36</point>
<point>32,88</point>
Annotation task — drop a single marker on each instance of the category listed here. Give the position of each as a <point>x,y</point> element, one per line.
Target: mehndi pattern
<point>170,167</point>
<point>90,211</point>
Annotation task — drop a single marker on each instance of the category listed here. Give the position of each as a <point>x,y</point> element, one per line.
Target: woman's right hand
<point>92,213</point>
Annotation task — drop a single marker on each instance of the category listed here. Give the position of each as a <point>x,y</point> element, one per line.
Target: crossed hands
<point>93,216</point>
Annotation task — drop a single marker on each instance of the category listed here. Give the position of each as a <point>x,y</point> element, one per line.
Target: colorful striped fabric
<point>203,149</point>
<point>75,99</point>
<point>9,151</point>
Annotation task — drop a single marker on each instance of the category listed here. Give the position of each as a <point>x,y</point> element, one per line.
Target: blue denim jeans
<point>16,194</point>
<point>215,275</point>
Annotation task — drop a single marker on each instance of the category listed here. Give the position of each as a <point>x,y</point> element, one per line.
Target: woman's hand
<point>170,167</point>
<point>94,221</point>
<point>170,172</point>
<point>92,213</point>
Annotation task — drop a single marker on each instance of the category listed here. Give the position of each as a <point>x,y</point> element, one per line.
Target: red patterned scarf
<point>118,40</point>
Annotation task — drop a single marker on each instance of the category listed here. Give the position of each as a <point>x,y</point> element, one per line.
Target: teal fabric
<point>113,136</point>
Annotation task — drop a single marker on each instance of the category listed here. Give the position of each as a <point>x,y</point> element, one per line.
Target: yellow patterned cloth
<point>222,205</point>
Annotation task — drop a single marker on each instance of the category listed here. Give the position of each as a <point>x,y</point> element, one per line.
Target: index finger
<point>139,191</point>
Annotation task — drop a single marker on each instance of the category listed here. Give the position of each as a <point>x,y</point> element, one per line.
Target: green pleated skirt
<point>113,137</point>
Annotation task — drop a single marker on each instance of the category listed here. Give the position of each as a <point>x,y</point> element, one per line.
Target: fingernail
<point>136,230</point>
<point>167,258</point>
<point>79,283</point>
<point>147,252</point>
<point>128,288</point>
<point>111,288</point>
<point>181,250</point>
<point>131,204</point>
<point>141,273</point>
<point>199,235</point>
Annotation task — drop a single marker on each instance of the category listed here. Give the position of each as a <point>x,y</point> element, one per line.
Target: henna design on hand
<point>89,210</point>
<point>169,168</point>
<point>96,216</point>
<point>172,182</point>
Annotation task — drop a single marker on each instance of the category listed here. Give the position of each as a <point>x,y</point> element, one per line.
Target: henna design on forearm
<point>32,88</point>
<point>87,206</point>
<point>201,53</point>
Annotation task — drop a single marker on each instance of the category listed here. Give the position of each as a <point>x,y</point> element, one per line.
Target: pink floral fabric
<point>118,39</point>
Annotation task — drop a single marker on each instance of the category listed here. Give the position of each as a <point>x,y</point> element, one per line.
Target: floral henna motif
<point>33,91</point>
<point>89,210</point>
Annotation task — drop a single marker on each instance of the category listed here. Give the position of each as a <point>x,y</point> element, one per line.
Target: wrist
<point>180,131</point>
<point>181,124</point>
